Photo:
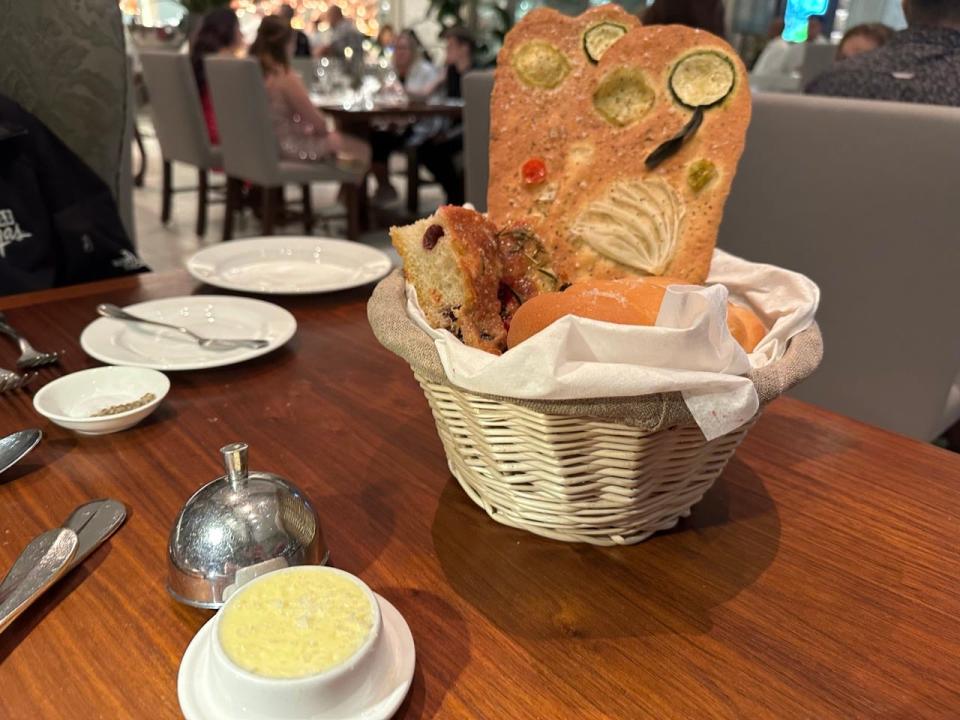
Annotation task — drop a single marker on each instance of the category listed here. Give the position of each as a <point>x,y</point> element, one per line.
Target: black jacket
<point>58,220</point>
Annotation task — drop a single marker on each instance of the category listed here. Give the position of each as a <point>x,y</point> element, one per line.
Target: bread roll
<point>628,301</point>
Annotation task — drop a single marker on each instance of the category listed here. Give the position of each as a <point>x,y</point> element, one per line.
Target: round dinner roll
<point>627,301</point>
<point>746,328</point>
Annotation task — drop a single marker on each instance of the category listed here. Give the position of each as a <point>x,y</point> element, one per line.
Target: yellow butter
<point>294,624</point>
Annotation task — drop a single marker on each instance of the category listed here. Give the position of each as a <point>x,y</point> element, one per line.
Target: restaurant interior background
<point>748,21</point>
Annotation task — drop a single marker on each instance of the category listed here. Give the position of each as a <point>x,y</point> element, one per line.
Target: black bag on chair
<point>59,223</point>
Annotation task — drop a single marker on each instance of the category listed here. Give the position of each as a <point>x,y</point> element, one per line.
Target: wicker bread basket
<point>606,471</point>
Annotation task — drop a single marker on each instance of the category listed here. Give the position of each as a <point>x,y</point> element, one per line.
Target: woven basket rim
<point>395,330</point>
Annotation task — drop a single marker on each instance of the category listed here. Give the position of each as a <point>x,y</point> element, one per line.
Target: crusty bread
<point>745,326</point>
<point>452,260</point>
<point>526,269</point>
<point>599,211</point>
<point>627,301</point>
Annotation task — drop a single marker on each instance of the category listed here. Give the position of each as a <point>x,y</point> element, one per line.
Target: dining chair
<point>180,127</point>
<point>477,87</point>
<point>251,151</point>
<point>860,195</point>
<point>817,59</point>
<point>414,178</point>
<point>306,68</point>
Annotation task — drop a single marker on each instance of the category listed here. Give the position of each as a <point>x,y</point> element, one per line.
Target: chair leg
<point>166,192</point>
<point>413,182</point>
<point>202,190</point>
<point>307,210</point>
<point>138,138</point>
<point>232,205</point>
<point>363,206</point>
<point>269,211</point>
<point>352,197</point>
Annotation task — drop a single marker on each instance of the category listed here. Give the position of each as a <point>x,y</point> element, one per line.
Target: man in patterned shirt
<point>920,64</point>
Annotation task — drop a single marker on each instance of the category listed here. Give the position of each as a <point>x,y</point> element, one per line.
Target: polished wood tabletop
<point>817,579</point>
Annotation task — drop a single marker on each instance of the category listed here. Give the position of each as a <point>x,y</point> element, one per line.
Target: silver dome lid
<point>237,527</point>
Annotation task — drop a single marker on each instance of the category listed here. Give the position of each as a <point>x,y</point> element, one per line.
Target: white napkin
<point>689,349</point>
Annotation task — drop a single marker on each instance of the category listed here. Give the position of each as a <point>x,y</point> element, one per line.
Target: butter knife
<point>43,561</point>
<point>93,523</point>
<point>54,553</point>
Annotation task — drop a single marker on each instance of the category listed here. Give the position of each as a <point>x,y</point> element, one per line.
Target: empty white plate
<point>289,265</point>
<point>119,342</point>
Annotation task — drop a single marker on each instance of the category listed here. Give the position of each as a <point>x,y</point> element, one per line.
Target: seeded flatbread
<point>599,211</point>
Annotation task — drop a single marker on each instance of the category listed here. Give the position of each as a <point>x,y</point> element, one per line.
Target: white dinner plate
<point>289,265</point>
<point>119,342</point>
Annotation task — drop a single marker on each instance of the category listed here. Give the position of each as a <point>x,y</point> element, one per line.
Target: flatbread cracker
<point>569,135</point>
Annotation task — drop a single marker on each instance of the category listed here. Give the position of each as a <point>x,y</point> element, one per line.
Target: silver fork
<point>112,311</point>
<point>10,380</point>
<point>29,358</point>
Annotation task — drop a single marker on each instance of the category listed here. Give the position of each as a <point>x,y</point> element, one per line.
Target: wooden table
<point>818,579</point>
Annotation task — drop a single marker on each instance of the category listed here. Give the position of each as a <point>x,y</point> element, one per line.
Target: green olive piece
<point>700,174</point>
<point>623,97</point>
<point>540,64</point>
<point>702,79</point>
<point>598,39</point>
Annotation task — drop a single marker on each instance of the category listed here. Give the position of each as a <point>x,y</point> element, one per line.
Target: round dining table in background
<point>360,116</point>
<point>358,120</point>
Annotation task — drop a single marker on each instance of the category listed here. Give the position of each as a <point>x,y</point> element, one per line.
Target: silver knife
<point>93,523</point>
<point>41,564</point>
<point>54,553</point>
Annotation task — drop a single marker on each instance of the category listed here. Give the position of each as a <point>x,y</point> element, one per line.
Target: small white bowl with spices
<point>102,400</point>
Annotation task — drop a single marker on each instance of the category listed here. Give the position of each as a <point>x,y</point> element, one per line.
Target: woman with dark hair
<point>300,128</point>
<point>219,34</point>
<point>703,14</point>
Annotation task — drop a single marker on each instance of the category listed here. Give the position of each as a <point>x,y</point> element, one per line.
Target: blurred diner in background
<point>218,34</point>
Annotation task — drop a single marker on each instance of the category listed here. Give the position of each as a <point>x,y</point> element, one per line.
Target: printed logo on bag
<point>10,231</point>
<point>128,261</point>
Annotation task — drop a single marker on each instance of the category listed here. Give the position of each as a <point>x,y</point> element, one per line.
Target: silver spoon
<point>14,446</point>
<point>112,311</point>
<point>41,564</point>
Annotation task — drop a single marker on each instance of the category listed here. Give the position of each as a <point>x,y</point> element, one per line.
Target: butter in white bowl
<point>297,623</point>
<point>302,642</point>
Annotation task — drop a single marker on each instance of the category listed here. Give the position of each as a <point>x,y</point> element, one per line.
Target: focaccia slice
<point>573,129</point>
<point>452,259</point>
